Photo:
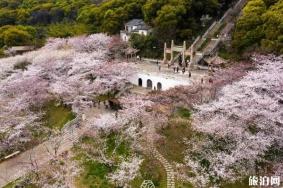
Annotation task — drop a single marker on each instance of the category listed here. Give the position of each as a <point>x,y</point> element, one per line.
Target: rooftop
<point>135,22</point>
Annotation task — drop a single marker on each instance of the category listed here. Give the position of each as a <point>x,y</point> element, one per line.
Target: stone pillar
<point>183,54</point>
<point>165,53</point>
<point>192,56</point>
<point>172,52</point>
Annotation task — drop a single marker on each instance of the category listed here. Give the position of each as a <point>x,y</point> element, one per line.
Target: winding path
<point>19,166</point>
<point>170,175</point>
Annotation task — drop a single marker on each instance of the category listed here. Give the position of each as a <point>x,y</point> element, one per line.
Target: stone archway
<point>149,84</point>
<point>140,82</point>
<point>159,86</point>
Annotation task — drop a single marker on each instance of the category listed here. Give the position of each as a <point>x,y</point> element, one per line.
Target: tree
<point>150,10</point>
<point>17,35</point>
<point>73,71</point>
<point>41,17</point>
<point>260,26</point>
<point>240,128</point>
<point>110,16</point>
<point>7,17</point>
<point>148,46</point>
<point>112,21</point>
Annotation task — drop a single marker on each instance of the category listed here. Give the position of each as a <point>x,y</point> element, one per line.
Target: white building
<point>149,75</point>
<point>155,81</point>
<point>134,26</point>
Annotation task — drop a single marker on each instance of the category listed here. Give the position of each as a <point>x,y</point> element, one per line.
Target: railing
<point>10,156</point>
<point>205,35</point>
<point>240,5</point>
<point>65,130</point>
<point>227,13</point>
<point>69,124</point>
<point>197,43</point>
<point>152,60</point>
<point>205,43</point>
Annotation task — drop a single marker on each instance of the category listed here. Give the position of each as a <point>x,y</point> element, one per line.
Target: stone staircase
<point>217,32</point>
<point>170,175</point>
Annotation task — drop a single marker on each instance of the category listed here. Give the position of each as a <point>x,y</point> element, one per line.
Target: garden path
<point>17,167</point>
<point>170,175</point>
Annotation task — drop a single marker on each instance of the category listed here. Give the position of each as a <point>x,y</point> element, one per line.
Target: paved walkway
<point>140,90</point>
<point>170,175</point>
<point>22,164</point>
<point>152,68</point>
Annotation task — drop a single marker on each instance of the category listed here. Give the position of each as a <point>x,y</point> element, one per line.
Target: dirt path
<point>19,166</point>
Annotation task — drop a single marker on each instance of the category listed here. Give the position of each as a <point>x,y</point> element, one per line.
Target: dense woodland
<point>261,26</point>
<point>26,22</point>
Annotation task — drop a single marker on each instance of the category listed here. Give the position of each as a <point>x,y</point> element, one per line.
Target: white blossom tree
<point>126,172</point>
<point>72,71</point>
<point>241,127</point>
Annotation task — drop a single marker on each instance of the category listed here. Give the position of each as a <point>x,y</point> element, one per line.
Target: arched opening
<point>149,84</point>
<point>159,86</point>
<point>140,82</point>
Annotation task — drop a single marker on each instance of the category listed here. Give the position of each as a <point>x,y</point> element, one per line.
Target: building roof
<point>136,22</point>
<point>139,23</point>
<point>142,27</point>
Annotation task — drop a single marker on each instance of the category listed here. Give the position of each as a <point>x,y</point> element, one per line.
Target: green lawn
<point>93,173</point>
<point>172,146</point>
<point>179,127</point>
<point>183,113</point>
<point>56,116</point>
<point>16,183</point>
<point>151,169</point>
<point>11,184</point>
<point>117,146</point>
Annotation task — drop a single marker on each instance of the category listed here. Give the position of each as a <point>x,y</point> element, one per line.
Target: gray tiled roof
<point>136,22</point>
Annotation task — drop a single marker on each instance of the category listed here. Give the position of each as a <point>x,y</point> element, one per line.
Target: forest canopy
<point>173,19</point>
<point>261,26</point>
<point>23,22</point>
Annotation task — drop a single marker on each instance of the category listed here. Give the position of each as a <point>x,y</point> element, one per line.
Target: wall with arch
<point>158,82</point>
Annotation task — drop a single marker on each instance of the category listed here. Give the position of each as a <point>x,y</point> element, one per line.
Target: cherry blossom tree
<point>241,127</point>
<point>126,172</point>
<point>73,71</point>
